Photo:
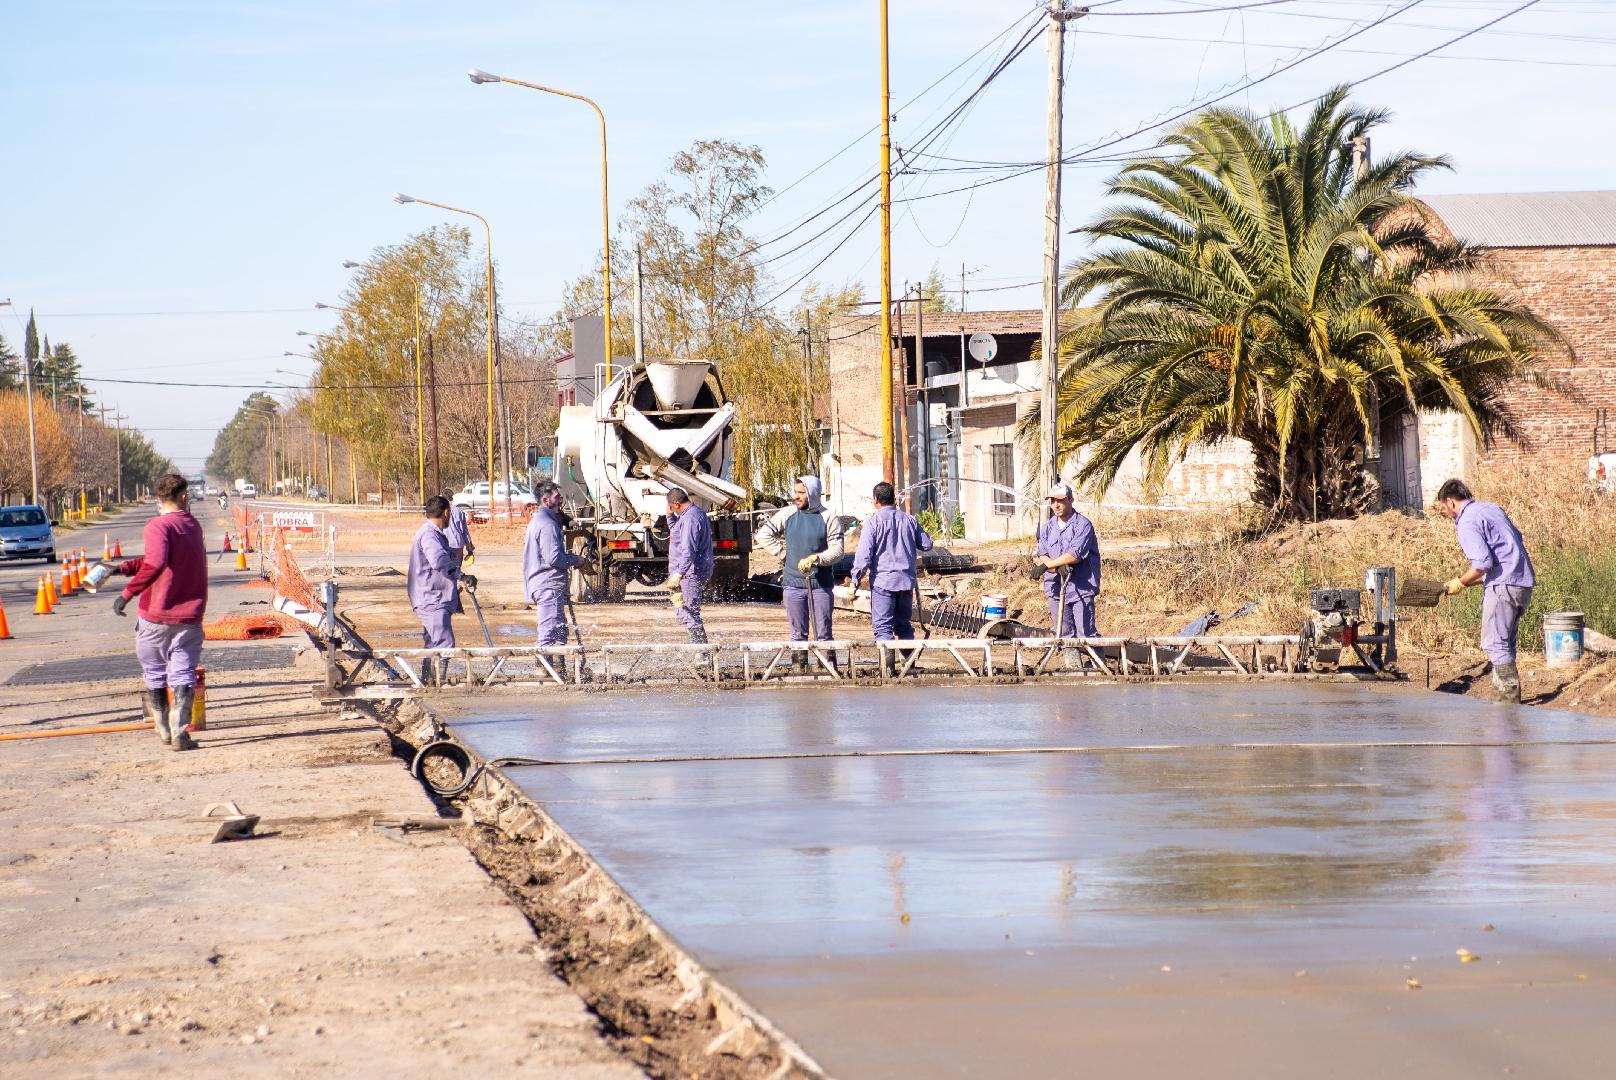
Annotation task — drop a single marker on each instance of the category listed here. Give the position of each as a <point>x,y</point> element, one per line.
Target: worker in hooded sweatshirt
<point>808,542</point>
<point>434,581</point>
<point>171,579</point>
<point>690,560</point>
<point>545,562</point>
<point>888,541</point>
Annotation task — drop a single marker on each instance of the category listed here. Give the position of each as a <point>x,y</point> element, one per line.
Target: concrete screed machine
<point>657,424</point>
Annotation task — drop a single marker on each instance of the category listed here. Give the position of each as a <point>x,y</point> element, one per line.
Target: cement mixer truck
<point>657,424</point>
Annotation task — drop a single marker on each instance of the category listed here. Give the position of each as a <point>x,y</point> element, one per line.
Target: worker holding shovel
<point>1498,563</point>
<point>433,582</point>
<point>1069,552</point>
<point>690,560</point>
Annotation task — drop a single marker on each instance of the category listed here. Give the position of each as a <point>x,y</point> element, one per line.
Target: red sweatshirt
<point>171,575</point>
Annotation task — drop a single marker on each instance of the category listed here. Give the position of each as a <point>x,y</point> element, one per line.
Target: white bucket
<point>1562,639</point>
<point>97,575</point>
<point>995,605</point>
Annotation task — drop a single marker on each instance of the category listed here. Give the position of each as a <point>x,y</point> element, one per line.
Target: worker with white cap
<point>1069,552</point>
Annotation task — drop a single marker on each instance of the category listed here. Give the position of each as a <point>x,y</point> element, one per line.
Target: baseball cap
<point>1059,490</point>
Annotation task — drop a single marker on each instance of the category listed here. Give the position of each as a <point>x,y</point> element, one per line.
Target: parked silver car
<point>25,533</point>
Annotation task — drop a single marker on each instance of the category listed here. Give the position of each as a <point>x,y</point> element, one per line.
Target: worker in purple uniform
<point>808,542</point>
<point>888,541</point>
<point>1498,563</point>
<point>459,534</point>
<point>434,580</point>
<point>545,562</point>
<point>1069,552</point>
<point>690,560</point>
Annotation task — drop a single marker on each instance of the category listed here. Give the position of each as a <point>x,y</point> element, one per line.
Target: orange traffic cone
<point>5,630</point>
<point>106,548</point>
<point>67,578</point>
<point>241,558</point>
<point>50,591</point>
<point>227,546</point>
<point>81,568</point>
<point>117,549</point>
<point>42,601</point>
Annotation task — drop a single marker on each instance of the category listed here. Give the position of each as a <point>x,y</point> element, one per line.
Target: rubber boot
<point>154,703</point>
<point>697,637</point>
<point>426,671</point>
<point>443,670</point>
<point>1507,682</point>
<point>179,717</point>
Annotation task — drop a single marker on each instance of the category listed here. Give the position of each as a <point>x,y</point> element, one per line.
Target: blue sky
<point>178,156</point>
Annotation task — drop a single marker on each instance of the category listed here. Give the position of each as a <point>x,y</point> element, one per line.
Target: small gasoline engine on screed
<point>1338,624</point>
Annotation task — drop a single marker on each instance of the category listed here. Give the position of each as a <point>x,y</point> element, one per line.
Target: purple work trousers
<point>436,630</point>
<point>551,604</point>
<point>168,652</point>
<point>1501,609</point>
<point>1077,620</point>
<point>798,602</point>
<point>689,613</point>
<point>890,614</point>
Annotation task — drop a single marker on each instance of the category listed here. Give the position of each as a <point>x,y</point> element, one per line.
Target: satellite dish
<point>983,347</point>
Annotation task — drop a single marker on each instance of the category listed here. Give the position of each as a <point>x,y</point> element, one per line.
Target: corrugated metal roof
<point>1530,219</point>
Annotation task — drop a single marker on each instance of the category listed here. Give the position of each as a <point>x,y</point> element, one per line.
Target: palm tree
<point>1253,284</point>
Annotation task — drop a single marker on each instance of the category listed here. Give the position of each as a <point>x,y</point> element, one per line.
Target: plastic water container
<point>995,605</point>
<point>1562,638</point>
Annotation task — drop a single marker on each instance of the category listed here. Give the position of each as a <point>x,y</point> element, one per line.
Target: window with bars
<point>1003,473</point>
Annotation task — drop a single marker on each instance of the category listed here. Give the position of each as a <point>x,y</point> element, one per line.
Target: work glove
<point>469,581</point>
<point>119,604</point>
<point>471,557</point>
<point>1454,587</point>
<point>807,563</point>
<point>676,598</point>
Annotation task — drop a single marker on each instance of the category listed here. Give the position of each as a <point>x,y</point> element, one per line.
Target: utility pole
<point>117,418</point>
<point>1049,436</point>
<point>432,395</point>
<point>964,392</point>
<point>33,448</point>
<point>885,346</point>
<point>639,306</point>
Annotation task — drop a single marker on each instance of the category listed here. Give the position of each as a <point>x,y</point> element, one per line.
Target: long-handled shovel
<point>478,608</point>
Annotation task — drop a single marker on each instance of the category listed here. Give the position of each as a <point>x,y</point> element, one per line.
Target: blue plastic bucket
<point>1562,638</point>
<point>995,605</point>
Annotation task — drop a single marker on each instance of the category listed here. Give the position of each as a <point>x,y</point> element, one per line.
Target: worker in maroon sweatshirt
<point>171,579</point>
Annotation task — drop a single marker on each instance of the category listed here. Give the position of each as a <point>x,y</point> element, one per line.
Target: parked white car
<point>474,496</point>
<point>248,491</point>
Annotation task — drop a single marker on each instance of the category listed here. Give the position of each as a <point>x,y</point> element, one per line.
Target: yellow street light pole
<point>885,345</point>
<point>489,234</point>
<point>478,76</point>
<point>420,420</point>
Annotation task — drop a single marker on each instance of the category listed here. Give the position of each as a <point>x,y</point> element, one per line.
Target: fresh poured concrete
<point>1210,880</point>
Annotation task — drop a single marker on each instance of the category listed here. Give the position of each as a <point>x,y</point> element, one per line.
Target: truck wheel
<point>729,580</point>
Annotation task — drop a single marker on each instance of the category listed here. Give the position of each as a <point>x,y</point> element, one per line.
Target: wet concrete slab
<point>1213,879</point>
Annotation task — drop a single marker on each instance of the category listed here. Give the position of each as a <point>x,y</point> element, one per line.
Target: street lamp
<point>420,416</point>
<point>333,307</point>
<point>479,77</point>
<point>33,449</point>
<point>489,291</point>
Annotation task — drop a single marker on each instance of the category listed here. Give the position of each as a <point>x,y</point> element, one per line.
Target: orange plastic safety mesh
<point>249,627</point>
<point>287,576</point>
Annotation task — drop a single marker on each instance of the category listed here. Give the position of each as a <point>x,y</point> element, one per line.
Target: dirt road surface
<point>322,947</point>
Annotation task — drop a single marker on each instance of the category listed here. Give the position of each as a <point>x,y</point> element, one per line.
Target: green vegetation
<point>1253,283</point>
